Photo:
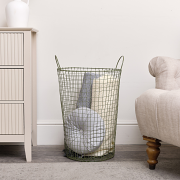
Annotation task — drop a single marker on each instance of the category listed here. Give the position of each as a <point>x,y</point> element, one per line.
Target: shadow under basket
<point>89,103</point>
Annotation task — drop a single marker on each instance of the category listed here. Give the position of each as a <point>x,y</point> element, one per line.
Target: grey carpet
<point>49,163</point>
<point>125,170</point>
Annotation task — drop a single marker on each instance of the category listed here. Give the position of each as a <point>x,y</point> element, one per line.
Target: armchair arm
<point>166,71</point>
<point>146,111</point>
<point>157,113</point>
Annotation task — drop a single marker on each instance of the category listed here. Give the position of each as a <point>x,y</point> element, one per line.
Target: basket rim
<point>85,69</point>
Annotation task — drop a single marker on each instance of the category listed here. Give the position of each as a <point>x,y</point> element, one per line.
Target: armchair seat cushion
<point>158,115</point>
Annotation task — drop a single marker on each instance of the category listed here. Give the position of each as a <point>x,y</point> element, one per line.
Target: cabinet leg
<point>28,151</point>
<point>34,137</point>
<point>153,151</point>
<point>34,90</point>
<point>27,93</point>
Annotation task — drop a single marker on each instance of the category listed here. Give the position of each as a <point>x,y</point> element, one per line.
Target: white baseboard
<point>51,133</point>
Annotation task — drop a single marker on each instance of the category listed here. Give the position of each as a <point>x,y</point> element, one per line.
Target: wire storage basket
<point>89,103</point>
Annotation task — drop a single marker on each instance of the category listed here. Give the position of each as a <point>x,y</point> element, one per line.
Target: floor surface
<point>49,163</point>
<point>47,154</point>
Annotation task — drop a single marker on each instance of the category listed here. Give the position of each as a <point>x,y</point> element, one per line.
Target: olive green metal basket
<point>89,103</point>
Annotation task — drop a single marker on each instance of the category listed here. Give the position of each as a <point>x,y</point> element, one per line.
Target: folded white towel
<point>104,102</point>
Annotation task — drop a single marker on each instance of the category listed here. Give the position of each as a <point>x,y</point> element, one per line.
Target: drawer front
<point>11,49</point>
<point>11,84</point>
<point>11,119</point>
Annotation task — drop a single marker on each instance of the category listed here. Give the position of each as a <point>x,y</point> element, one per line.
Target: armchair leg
<point>153,151</point>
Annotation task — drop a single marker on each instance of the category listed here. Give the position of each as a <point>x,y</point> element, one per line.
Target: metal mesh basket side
<point>104,107</point>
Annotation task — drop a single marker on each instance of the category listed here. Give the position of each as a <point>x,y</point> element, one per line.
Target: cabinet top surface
<point>18,29</point>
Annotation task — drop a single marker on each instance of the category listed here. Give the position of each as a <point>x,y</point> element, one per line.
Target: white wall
<point>95,33</point>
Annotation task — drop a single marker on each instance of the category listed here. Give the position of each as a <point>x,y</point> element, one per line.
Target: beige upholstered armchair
<point>158,110</point>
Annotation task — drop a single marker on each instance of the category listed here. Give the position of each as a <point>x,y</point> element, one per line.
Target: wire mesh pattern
<point>89,104</point>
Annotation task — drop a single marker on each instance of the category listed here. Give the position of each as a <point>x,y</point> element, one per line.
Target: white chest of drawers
<point>18,109</point>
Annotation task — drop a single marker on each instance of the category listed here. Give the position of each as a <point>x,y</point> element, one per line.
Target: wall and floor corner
<point>94,34</point>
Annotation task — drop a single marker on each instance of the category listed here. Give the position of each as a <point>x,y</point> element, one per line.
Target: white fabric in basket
<point>104,102</point>
<point>84,130</point>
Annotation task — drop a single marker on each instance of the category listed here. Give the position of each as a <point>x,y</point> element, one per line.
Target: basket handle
<point>57,62</point>
<point>121,63</point>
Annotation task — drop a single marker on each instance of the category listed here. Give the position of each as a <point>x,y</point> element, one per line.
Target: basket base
<point>77,157</point>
